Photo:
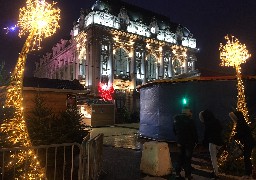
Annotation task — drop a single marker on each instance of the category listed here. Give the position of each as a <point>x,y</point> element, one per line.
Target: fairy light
<point>233,53</point>
<point>10,29</point>
<point>80,40</point>
<point>40,20</point>
<point>179,53</point>
<point>39,17</point>
<point>106,91</point>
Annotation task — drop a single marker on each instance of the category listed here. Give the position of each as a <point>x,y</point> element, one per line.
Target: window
<point>151,64</point>
<point>121,63</point>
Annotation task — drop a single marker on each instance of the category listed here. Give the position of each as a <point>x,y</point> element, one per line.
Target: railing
<point>94,154</point>
<point>69,161</point>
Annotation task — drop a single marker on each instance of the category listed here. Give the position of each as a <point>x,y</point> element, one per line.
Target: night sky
<point>209,21</point>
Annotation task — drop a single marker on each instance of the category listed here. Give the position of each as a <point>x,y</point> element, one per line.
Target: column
<point>170,68</point>
<point>193,61</point>
<point>193,65</point>
<point>83,66</point>
<point>76,65</point>
<point>127,66</point>
<point>157,70</point>
<point>143,68</point>
<point>96,72</point>
<point>110,65</point>
<point>68,69</point>
<point>161,70</point>
<point>133,71</point>
<point>88,65</point>
<point>185,65</point>
<point>77,68</point>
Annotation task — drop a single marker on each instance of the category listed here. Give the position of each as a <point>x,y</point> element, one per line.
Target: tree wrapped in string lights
<point>39,19</point>
<point>233,53</point>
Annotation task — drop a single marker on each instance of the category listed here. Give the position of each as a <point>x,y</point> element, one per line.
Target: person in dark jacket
<point>213,136</point>
<point>244,137</point>
<point>185,131</point>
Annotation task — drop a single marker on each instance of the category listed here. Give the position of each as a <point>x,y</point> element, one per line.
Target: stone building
<point>121,45</point>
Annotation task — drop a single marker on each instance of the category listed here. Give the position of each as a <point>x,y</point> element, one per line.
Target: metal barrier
<point>94,154</point>
<point>68,161</point>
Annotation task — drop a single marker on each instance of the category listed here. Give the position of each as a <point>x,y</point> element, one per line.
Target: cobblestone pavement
<point>122,155</point>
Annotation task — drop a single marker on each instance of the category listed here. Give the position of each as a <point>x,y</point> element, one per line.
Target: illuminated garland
<point>80,40</point>
<point>106,91</point>
<point>40,17</point>
<point>234,54</point>
<point>179,53</point>
<point>40,20</point>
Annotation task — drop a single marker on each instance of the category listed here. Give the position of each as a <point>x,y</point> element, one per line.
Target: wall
<point>54,98</point>
<point>101,115</point>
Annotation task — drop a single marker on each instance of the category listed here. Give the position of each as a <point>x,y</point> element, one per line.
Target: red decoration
<point>106,91</point>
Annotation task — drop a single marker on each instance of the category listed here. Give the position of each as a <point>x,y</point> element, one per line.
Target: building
<point>121,45</point>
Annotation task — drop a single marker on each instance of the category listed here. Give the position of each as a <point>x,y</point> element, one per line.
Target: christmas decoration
<point>40,20</point>
<point>234,54</point>
<point>106,91</point>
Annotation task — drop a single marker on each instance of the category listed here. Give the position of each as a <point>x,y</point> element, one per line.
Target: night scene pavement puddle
<point>119,137</point>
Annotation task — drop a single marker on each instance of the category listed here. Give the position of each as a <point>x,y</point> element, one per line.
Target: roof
<point>198,78</point>
<point>137,14</point>
<point>52,83</point>
<point>220,71</point>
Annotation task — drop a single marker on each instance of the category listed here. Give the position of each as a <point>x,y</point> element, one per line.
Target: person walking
<point>213,137</point>
<point>185,131</point>
<point>244,137</point>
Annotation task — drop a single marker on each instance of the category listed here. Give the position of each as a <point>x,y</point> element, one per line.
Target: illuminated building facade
<point>121,44</point>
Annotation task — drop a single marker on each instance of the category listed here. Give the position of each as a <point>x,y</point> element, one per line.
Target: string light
<point>106,91</point>
<point>40,20</point>
<point>233,53</point>
<point>179,53</point>
<point>12,29</point>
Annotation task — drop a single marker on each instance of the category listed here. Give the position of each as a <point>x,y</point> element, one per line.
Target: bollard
<point>156,160</point>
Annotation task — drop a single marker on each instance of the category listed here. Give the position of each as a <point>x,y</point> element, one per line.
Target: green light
<point>184,101</point>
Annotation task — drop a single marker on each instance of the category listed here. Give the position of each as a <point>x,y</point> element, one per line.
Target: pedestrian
<point>186,134</point>
<point>243,136</point>
<point>213,138</point>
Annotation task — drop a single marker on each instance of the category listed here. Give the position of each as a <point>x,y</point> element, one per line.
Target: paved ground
<point>122,155</point>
